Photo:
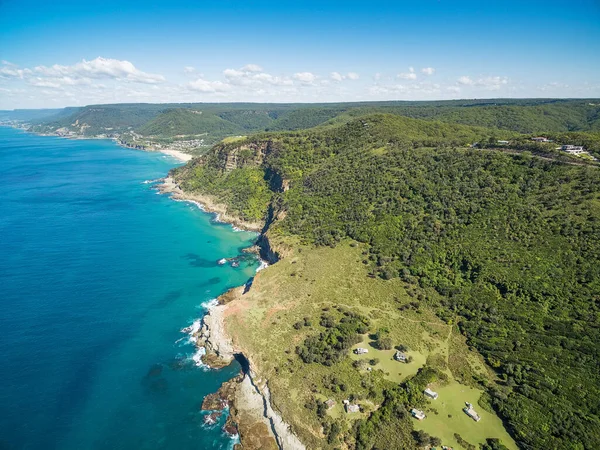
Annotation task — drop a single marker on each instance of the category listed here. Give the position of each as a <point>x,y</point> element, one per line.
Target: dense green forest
<point>504,245</point>
<point>182,121</point>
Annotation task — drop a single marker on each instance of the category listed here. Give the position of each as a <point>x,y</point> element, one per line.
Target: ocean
<point>99,275</point>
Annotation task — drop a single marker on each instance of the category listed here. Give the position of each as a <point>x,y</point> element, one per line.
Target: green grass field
<point>393,370</point>
<point>231,139</point>
<point>445,418</point>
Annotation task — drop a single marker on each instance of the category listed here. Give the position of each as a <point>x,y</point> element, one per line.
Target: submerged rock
<point>155,370</point>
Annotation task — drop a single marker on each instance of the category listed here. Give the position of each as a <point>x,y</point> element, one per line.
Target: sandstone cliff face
<point>251,154</point>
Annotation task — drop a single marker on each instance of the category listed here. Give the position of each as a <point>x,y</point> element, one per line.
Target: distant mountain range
<point>215,121</point>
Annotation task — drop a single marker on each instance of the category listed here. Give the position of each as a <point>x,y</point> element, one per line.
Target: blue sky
<point>71,53</point>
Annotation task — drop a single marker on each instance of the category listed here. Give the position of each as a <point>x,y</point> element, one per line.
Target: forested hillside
<point>187,122</point>
<point>220,120</point>
<point>504,246</point>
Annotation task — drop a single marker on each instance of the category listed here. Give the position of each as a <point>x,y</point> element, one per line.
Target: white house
<point>417,414</point>
<point>540,139</point>
<point>399,356</point>
<point>429,393</point>
<point>573,149</point>
<point>352,408</point>
<point>469,411</point>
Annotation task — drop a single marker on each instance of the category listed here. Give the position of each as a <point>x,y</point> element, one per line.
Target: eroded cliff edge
<point>259,425</point>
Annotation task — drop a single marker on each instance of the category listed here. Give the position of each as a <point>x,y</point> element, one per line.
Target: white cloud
<point>454,89</point>
<point>465,80</point>
<point>233,73</point>
<point>336,76</point>
<point>377,76</point>
<point>410,75</point>
<point>41,82</point>
<point>305,77</point>
<point>189,69</point>
<point>254,77</point>
<point>252,68</point>
<point>10,71</point>
<point>553,86</point>
<point>428,70</point>
<point>101,68</point>
<point>492,83</point>
<point>202,85</point>
<point>421,88</point>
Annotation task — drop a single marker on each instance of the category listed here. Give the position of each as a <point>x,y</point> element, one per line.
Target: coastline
<point>207,204</point>
<point>177,154</point>
<point>183,157</point>
<point>259,425</point>
<point>248,397</point>
<point>250,410</point>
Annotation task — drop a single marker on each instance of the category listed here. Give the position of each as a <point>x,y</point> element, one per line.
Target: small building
<point>429,393</point>
<point>503,142</point>
<point>399,356</point>
<point>330,403</point>
<point>361,351</point>
<point>469,411</point>
<point>417,414</point>
<point>573,149</point>
<point>352,408</point>
<point>540,139</point>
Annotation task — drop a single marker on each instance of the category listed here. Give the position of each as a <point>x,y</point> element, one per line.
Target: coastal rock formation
<point>169,186</point>
<point>251,412</point>
<point>211,336</point>
<point>258,424</point>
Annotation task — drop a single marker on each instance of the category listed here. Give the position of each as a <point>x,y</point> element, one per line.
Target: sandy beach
<point>184,157</point>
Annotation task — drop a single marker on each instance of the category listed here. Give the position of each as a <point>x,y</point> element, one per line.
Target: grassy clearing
<point>392,370</point>
<point>304,284</point>
<point>445,418</point>
<point>231,139</point>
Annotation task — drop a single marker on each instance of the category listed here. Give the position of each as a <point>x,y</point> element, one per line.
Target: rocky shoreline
<point>169,186</point>
<point>249,400</point>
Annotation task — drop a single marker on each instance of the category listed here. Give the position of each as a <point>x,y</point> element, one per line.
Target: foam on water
<point>263,265</point>
<point>197,357</point>
<point>208,305</point>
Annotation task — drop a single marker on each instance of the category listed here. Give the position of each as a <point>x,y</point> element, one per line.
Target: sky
<point>70,53</point>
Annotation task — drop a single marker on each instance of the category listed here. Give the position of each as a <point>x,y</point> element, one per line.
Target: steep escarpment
<point>482,264</point>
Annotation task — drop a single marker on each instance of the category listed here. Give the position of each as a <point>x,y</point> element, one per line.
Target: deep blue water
<point>98,275</point>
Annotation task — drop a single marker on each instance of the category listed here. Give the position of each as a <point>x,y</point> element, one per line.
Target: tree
<point>421,438</point>
<point>435,441</point>
<point>384,343</point>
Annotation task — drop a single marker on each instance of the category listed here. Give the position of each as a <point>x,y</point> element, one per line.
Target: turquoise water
<point>98,276</point>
